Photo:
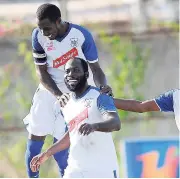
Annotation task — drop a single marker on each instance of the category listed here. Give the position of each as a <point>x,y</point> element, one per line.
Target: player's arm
<point>100,78</point>
<point>111,123</point>
<point>108,111</point>
<point>136,106</point>
<point>46,80</point>
<point>163,102</point>
<point>60,145</point>
<point>41,66</point>
<point>98,74</point>
<point>90,51</point>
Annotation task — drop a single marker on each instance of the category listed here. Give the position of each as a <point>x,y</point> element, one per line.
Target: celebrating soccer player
<point>91,117</point>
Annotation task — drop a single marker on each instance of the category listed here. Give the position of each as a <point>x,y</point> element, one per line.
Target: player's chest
<point>80,112</point>
<point>59,52</point>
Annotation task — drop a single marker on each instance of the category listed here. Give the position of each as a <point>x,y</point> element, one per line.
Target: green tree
<point>127,67</point>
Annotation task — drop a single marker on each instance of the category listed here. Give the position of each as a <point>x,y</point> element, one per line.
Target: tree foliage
<point>127,68</point>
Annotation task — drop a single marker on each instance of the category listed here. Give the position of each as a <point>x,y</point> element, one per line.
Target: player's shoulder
<point>92,92</point>
<point>35,32</point>
<point>82,29</point>
<point>37,37</point>
<point>166,100</point>
<point>94,89</point>
<point>101,97</point>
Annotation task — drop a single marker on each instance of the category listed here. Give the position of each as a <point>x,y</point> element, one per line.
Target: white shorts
<point>41,120</point>
<point>69,173</point>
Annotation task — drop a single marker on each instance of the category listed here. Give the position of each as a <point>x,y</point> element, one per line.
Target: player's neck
<point>63,29</point>
<point>81,91</point>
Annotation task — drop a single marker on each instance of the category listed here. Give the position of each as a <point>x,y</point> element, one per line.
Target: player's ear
<point>58,22</point>
<point>87,75</point>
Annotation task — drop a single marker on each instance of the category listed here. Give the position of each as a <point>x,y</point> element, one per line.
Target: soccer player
<point>54,42</point>
<point>91,117</point>
<point>166,102</point>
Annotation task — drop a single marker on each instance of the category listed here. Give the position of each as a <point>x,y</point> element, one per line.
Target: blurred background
<point>138,49</point>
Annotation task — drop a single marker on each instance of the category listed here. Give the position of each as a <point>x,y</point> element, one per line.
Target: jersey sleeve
<point>89,47</point>
<point>105,104</point>
<point>38,52</point>
<point>165,101</point>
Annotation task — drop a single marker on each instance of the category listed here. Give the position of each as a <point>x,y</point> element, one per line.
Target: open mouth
<point>72,81</point>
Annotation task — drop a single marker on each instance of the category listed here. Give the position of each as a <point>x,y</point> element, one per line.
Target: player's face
<point>48,28</point>
<point>75,78</point>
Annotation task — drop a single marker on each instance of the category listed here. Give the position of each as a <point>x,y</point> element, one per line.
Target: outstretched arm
<point>163,102</point>
<point>136,106</point>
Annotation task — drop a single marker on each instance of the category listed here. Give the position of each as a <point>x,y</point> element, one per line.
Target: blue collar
<point>60,38</point>
<point>85,92</point>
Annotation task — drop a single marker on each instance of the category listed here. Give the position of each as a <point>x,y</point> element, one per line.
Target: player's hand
<point>37,161</point>
<point>106,89</point>
<point>86,129</point>
<point>63,99</point>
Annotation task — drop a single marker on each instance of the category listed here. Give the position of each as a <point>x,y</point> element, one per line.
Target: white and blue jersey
<point>76,42</point>
<point>169,102</point>
<point>94,153</point>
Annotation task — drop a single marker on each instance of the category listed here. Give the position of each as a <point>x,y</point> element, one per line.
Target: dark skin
<point>136,106</point>
<point>74,72</point>
<point>52,30</point>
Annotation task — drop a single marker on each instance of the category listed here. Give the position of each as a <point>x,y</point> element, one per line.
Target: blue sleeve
<point>38,52</point>
<point>89,47</point>
<point>165,101</point>
<point>105,104</point>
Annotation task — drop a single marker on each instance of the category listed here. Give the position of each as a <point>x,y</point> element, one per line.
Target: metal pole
<point>63,8</point>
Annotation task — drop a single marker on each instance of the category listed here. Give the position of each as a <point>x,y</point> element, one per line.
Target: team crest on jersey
<point>88,102</point>
<point>74,42</point>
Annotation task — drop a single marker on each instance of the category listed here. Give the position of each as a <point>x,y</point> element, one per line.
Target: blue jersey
<point>169,102</point>
<point>165,101</point>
